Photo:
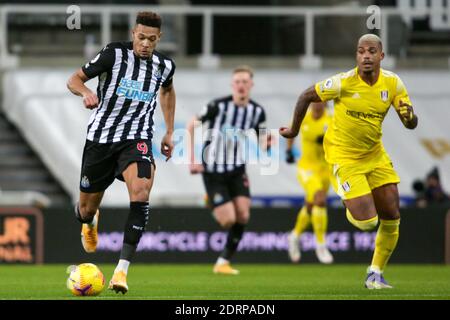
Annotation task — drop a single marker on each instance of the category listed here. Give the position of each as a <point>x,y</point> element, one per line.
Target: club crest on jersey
<point>328,84</point>
<point>85,182</point>
<point>158,74</point>
<point>346,186</point>
<point>384,95</point>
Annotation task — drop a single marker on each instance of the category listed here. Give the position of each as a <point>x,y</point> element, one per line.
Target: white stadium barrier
<point>54,123</point>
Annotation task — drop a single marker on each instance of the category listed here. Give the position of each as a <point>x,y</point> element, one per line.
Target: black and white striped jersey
<point>127,91</point>
<point>225,147</point>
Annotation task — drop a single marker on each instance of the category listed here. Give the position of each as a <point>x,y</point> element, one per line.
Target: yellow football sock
<point>364,225</point>
<point>302,223</point>
<point>319,221</point>
<point>385,242</point>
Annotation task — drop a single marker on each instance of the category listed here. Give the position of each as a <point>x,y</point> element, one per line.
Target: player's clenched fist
<point>167,146</point>
<point>287,133</point>
<point>406,111</point>
<point>90,100</point>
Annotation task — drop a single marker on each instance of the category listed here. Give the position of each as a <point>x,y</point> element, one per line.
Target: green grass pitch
<point>256,282</point>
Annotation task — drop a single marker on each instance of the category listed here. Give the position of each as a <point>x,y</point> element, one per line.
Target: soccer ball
<point>85,279</point>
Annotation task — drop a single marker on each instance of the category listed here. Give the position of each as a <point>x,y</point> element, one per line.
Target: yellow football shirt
<point>312,153</point>
<point>359,110</point>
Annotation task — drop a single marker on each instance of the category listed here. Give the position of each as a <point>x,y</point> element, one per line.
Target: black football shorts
<point>103,162</point>
<point>223,187</point>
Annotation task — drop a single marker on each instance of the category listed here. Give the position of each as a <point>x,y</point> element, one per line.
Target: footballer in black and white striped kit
<point>226,119</point>
<point>224,155</point>
<point>119,135</point>
<point>127,91</point>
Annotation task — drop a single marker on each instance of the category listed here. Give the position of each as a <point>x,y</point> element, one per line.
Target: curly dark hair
<point>150,19</point>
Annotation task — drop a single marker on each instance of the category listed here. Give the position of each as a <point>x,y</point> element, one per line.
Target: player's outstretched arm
<point>308,96</point>
<point>406,115</point>
<point>167,99</point>
<point>76,85</point>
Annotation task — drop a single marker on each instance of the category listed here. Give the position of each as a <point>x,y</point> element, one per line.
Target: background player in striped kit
<point>118,142</point>
<point>223,162</point>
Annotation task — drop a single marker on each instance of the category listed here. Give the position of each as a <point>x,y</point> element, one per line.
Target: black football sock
<point>134,228</point>
<point>234,237</point>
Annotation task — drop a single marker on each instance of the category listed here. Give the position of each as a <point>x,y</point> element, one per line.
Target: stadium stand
<point>23,177</point>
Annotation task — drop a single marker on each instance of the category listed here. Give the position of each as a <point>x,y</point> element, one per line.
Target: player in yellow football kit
<point>313,176</point>
<point>365,178</point>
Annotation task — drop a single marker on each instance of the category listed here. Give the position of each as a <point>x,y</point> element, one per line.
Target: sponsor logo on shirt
<point>132,89</point>
<point>366,115</point>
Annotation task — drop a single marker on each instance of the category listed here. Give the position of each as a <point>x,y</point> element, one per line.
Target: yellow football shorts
<point>360,178</point>
<point>313,180</point>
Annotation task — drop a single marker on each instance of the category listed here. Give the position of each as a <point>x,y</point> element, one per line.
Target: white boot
<point>323,254</point>
<point>294,247</point>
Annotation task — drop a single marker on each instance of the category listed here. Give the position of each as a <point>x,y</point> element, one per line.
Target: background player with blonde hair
<point>223,164</point>
<point>365,178</point>
<point>313,176</point>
